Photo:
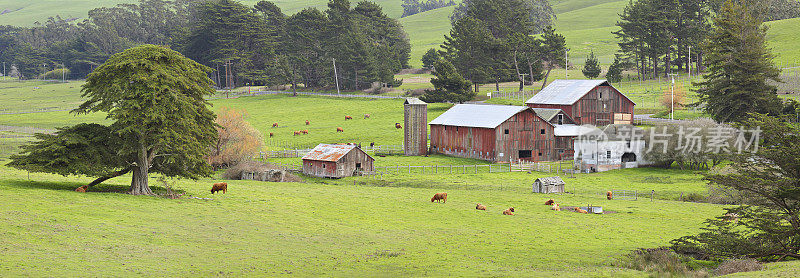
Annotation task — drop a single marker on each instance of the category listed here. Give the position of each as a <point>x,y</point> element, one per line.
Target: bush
<point>734,266</point>
<point>238,140</point>
<point>662,261</point>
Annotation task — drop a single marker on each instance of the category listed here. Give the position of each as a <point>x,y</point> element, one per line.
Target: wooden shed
<point>337,161</point>
<point>593,102</point>
<point>548,185</point>
<point>492,132</point>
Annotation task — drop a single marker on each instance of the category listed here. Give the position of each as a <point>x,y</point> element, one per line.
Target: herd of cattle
<point>442,198</point>
<point>338,129</point>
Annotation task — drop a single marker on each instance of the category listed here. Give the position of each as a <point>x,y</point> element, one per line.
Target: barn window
<point>456,128</point>
<point>628,157</point>
<point>560,119</point>
<point>600,96</point>
<point>541,131</point>
<point>540,153</point>
<point>525,153</point>
<point>505,131</point>
<point>358,165</point>
<point>323,166</point>
<point>608,154</point>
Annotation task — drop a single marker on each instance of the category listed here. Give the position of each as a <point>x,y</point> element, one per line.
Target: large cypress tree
<point>739,67</point>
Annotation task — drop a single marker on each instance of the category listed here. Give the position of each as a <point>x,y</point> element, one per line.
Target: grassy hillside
<point>587,24</point>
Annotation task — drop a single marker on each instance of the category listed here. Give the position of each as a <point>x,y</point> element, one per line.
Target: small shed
<point>548,185</point>
<point>337,161</point>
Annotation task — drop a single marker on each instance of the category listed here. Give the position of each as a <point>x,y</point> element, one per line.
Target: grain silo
<point>416,127</point>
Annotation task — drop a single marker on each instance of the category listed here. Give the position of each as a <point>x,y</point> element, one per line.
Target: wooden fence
<point>444,169</point>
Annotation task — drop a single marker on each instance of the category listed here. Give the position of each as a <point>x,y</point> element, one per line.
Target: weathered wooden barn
<point>493,132</point>
<point>593,102</point>
<point>337,161</point>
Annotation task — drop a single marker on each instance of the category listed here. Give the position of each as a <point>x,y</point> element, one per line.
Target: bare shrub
<point>235,172</point>
<point>238,140</point>
<point>662,261</point>
<point>169,187</point>
<point>734,266</point>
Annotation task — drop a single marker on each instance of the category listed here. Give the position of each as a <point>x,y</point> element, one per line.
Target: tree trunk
<point>139,184</point>
<point>111,176</point>
<point>544,82</point>
<point>497,84</point>
<point>516,68</point>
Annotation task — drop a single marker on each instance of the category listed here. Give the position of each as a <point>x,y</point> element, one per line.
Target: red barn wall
<point>591,109</point>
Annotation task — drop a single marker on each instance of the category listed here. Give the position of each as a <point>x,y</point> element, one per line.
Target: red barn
<point>493,132</point>
<point>593,102</point>
<point>336,161</point>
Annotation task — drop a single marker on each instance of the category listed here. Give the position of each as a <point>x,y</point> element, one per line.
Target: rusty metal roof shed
<point>477,115</point>
<point>567,92</point>
<point>329,152</point>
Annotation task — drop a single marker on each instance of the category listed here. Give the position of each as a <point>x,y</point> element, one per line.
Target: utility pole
<point>4,71</point>
<point>672,98</point>
<point>336,76</point>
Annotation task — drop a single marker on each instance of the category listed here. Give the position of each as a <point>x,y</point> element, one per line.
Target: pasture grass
<point>317,229</point>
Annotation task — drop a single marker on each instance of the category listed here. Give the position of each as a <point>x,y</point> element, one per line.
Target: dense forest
<point>259,45</point>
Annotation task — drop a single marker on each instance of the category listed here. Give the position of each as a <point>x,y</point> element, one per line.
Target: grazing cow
<point>339,129</point>
<point>509,211</point>
<point>82,189</point>
<point>348,118</point>
<point>397,126</point>
<point>581,210</point>
<point>307,122</point>
<point>305,131</point>
<point>609,195</point>
<point>556,207</point>
<point>439,197</point>
<point>366,116</point>
<point>549,202</point>
<point>271,135</point>
<point>372,145</point>
<point>297,133</point>
<point>275,125</point>
<point>220,186</point>
<point>478,206</point>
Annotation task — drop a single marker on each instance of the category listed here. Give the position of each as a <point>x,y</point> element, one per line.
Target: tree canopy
<point>155,96</point>
<point>740,67</point>
<point>448,84</point>
<point>591,68</point>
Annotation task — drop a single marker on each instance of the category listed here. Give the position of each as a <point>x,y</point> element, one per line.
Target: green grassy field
<point>348,227</point>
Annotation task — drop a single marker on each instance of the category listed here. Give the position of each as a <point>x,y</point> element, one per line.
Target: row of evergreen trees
<point>258,44</point>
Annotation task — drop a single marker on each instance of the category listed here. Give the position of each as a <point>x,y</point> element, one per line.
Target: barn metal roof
<point>477,115</point>
<point>328,152</point>
<point>572,130</point>
<point>566,92</point>
<point>551,180</point>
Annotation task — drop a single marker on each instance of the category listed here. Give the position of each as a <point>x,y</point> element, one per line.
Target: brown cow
<point>82,189</point>
<point>509,211</point>
<point>549,202</point>
<point>339,129</point>
<point>581,210</point>
<point>297,133</point>
<point>307,122</point>
<point>478,206</point>
<point>556,207</point>
<point>275,125</point>
<point>366,116</point>
<point>271,135</point>
<point>397,126</point>
<point>220,186</point>
<point>439,197</point>
<point>609,195</point>
<point>348,118</point>
<point>305,131</point>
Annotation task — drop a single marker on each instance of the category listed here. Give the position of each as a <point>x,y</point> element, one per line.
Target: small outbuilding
<point>337,161</point>
<point>548,185</point>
